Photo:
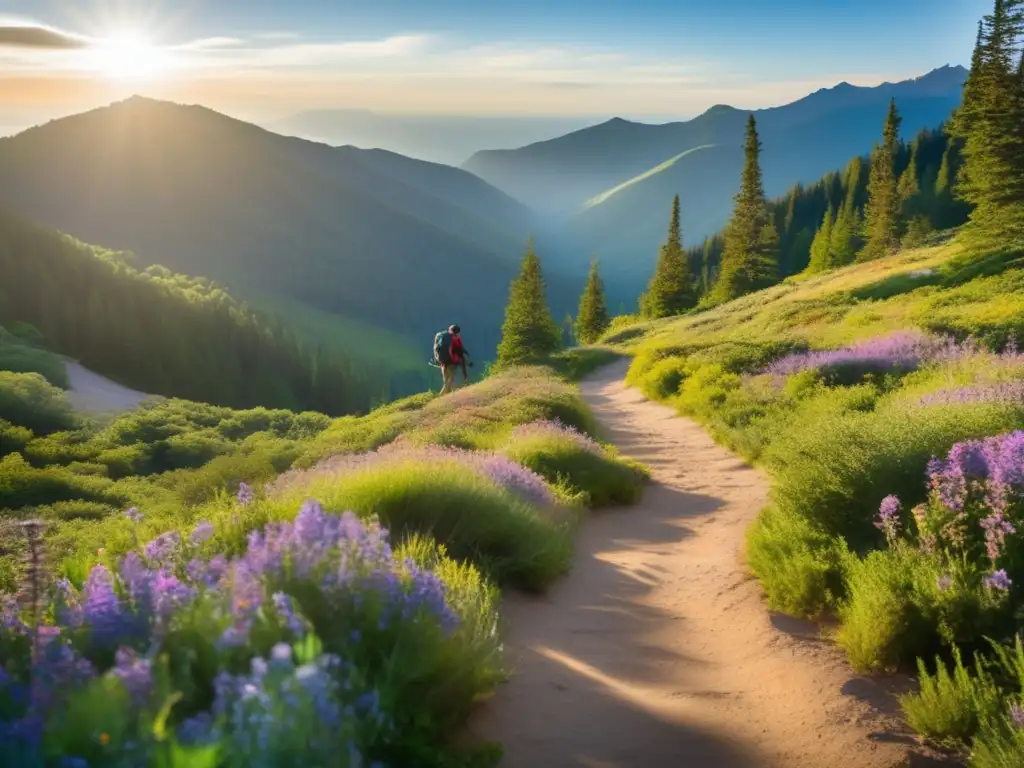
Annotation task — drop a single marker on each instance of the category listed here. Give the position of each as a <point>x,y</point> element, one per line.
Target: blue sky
<point>454,56</point>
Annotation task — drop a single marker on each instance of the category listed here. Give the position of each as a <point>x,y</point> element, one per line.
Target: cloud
<point>37,36</point>
<point>210,43</point>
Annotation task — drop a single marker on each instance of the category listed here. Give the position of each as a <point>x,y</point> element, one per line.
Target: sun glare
<point>127,56</point>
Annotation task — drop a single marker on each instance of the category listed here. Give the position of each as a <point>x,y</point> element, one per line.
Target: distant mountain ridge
<point>370,235</point>
<point>610,186</point>
<point>597,158</point>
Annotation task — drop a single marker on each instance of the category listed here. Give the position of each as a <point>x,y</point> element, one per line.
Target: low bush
<point>28,400</point>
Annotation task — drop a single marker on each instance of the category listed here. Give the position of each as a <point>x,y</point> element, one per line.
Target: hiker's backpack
<point>442,347</point>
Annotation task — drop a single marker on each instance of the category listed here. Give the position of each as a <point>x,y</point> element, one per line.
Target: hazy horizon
<point>261,61</point>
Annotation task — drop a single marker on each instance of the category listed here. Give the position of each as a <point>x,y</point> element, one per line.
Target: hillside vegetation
<point>861,391</point>
<point>161,332</point>
<point>363,235</point>
<point>347,569</point>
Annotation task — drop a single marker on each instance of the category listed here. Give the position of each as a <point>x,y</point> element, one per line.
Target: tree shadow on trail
<point>575,698</point>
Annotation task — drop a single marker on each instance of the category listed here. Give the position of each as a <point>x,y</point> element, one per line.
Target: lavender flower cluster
<point>977,497</point>
<point>902,350</point>
<point>555,428</point>
<point>1006,392</point>
<point>496,467</point>
<point>128,614</point>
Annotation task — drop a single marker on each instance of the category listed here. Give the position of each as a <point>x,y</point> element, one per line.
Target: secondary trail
<point>656,650</point>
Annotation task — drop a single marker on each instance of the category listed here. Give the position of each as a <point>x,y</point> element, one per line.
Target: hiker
<point>450,354</point>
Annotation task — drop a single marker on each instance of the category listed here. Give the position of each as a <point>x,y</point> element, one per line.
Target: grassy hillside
<point>398,243</point>
<point>164,333</point>
<point>886,400</point>
<point>330,563</point>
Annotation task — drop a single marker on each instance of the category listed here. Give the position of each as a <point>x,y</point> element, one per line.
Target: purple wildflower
<point>902,350</point>
<point>134,673</point>
<point>202,532</point>
<point>996,527</point>
<point>889,518</point>
<point>285,607</point>
<point>133,514</point>
<point>163,547</point>
<point>555,428</point>
<point>101,608</point>
<point>1017,715</point>
<point>245,494</point>
<point>944,582</point>
<point>998,580</point>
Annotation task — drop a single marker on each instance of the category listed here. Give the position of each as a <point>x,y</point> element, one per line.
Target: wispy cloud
<point>38,36</point>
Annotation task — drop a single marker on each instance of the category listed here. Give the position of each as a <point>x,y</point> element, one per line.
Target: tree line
<point>161,332</point>
<point>968,173</point>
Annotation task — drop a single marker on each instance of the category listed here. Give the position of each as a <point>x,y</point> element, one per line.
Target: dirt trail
<point>657,650</point>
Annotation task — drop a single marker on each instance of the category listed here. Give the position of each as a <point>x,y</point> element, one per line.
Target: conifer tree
<point>992,126</point>
<point>846,239</point>
<point>821,246</point>
<point>908,187</point>
<point>882,217</point>
<point>671,290</point>
<point>529,331</point>
<point>750,260</point>
<point>592,317</point>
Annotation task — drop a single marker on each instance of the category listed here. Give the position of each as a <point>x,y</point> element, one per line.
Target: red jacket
<point>456,350</point>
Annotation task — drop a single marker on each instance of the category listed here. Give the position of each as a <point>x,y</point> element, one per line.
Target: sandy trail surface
<point>657,649</point>
<point>96,395</point>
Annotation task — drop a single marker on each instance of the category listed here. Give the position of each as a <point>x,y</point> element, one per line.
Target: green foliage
<point>950,708</point>
<point>883,214</point>
<point>27,400</point>
<point>801,568</point>
<point>160,332</point>
<point>20,357</point>
<point>671,290</point>
<point>989,124</point>
<point>595,479</point>
<point>476,520</point>
<point>529,332</point>
<point>821,247</point>
<point>750,259</point>
<point>592,318</point>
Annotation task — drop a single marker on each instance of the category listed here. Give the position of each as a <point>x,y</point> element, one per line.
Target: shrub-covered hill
<point>236,587</point>
<point>886,400</point>
<point>161,332</point>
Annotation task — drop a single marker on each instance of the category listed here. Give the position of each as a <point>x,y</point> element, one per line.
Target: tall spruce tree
<point>883,225</point>
<point>992,175</point>
<point>529,331</point>
<point>592,317</point>
<point>750,260</point>
<point>671,290</point>
<point>821,246</point>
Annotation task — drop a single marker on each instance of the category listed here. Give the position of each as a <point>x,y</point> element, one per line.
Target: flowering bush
<point>899,351</point>
<point>316,645</point>
<point>553,428</point>
<point>499,469</point>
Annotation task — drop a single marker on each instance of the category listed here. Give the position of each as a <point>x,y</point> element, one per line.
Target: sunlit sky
<point>265,58</point>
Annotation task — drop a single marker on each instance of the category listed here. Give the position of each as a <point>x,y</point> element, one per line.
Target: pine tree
<point>671,290</point>
<point>908,187</point>
<point>992,175</point>
<point>821,246</point>
<point>846,239</point>
<point>751,257</point>
<point>529,331</point>
<point>882,217</point>
<point>592,317</point>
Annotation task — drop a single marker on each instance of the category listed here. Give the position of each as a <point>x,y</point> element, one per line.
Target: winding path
<point>657,651</point>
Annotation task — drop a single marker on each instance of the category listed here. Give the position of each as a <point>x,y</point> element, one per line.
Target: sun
<point>127,56</point>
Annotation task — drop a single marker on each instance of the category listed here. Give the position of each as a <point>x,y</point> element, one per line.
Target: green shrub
<point>836,469</point>
<point>28,400</point>
<point>23,358</point>
<point>222,473</point>
<point>598,479</point>
<point>950,708</point>
<point>22,485</point>
<point>191,450</point>
<point>662,380</point>
<point>467,513</point>
<point>12,438</point>
<point>127,460</point>
<point>77,509</point>
<point>800,568</point>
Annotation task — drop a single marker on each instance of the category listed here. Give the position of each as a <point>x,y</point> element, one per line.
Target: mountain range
<point>369,249</point>
<point>610,186</point>
<point>449,139</point>
<point>366,236</point>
